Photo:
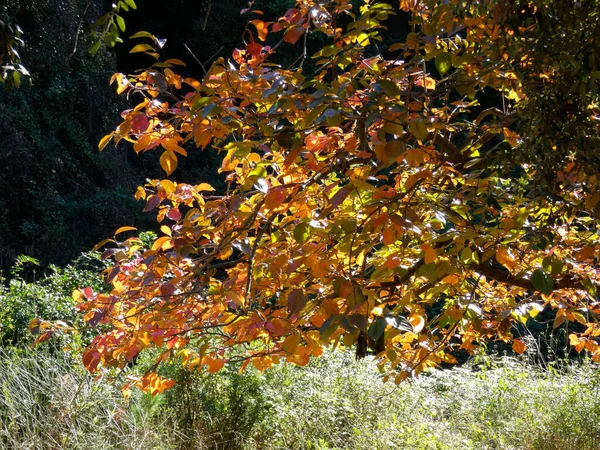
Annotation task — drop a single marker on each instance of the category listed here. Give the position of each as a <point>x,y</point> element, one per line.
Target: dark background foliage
<point>58,194</point>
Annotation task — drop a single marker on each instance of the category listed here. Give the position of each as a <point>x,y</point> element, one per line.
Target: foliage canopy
<point>375,204</point>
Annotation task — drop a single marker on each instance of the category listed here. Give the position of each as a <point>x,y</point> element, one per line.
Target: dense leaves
<point>374,205</point>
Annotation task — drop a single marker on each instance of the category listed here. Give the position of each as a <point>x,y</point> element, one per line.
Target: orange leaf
<point>124,229</point>
<point>237,298</point>
<point>291,344</point>
<point>262,28</point>
<point>519,346</point>
<point>430,254</point>
<point>585,253</point>
<point>214,365</point>
<point>417,322</point>
<point>141,48</point>
<point>160,242</point>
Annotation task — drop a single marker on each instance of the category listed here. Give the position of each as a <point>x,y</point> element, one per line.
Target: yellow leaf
<point>141,48</point>
<point>204,187</point>
<point>140,193</point>
<point>448,358</point>
<point>535,309</point>
<point>168,161</point>
<point>429,83</point>
<point>104,141</point>
<point>166,230</point>
<point>418,129</point>
<point>505,257</point>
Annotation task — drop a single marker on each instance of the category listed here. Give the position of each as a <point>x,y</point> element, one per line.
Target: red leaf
<point>254,48</point>
<point>153,202</point>
<point>293,34</point>
<point>292,15</point>
<point>174,214</point>
<point>91,359</point>
<point>139,123</point>
<point>296,301</point>
<point>167,289</point>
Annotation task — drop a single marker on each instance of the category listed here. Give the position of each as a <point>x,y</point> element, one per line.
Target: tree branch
<point>506,277</point>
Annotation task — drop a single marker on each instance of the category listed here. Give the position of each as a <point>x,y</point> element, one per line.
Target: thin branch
<point>79,26</point>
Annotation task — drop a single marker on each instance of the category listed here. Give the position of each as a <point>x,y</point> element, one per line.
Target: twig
<point>79,29</point>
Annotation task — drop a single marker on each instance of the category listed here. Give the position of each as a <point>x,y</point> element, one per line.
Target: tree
<point>375,204</point>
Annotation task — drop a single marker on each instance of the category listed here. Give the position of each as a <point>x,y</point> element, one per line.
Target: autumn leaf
<point>505,257</point>
<point>141,48</point>
<point>168,161</point>
<point>262,29</point>
<point>104,141</point>
<point>290,344</point>
<point>519,346</point>
<point>292,34</point>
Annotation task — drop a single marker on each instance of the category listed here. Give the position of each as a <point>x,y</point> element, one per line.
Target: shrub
<point>48,297</point>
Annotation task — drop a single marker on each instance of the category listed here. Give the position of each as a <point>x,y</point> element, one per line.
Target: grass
<point>49,402</point>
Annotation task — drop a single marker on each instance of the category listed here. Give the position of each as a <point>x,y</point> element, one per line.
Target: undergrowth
<point>48,401</point>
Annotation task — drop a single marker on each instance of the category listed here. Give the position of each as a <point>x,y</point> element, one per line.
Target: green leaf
<point>328,328</point>
<point>418,128</point>
<point>359,321</point>
<point>302,232</point>
<point>377,328</point>
<point>95,47</point>
<point>131,4</point>
<point>346,324</point>
<point>443,63</point>
<point>542,282</point>
<point>389,87</point>
<point>553,265</point>
<point>589,286</point>
<point>121,23</point>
